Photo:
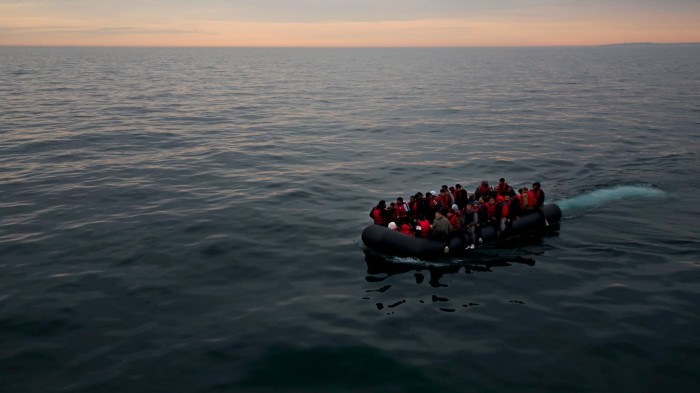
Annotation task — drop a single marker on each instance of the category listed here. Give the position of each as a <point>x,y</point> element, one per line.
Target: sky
<point>347,23</point>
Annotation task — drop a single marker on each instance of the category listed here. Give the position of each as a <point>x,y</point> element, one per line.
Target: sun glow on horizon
<point>38,23</point>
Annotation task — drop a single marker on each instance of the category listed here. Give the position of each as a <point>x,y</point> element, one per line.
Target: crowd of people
<point>454,212</point>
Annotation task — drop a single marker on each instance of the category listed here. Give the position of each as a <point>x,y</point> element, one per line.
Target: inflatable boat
<point>391,242</point>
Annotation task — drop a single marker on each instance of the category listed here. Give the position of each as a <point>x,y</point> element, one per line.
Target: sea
<point>189,219</point>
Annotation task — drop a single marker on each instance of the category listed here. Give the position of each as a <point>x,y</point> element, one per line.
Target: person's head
<point>536,185</point>
<point>455,207</point>
<point>501,180</point>
<point>381,204</point>
<point>411,198</point>
<point>484,183</point>
<point>458,186</point>
<point>392,226</point>
<point>419,195</point>
<point>506,197</point>
<point>451,188</point>
<point>399,200</point>
<point>470,208</point>
<point>444,187</point>
<point>492,201</point>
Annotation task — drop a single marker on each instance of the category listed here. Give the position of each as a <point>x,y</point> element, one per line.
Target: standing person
<point>483,190</point>
<point>380,214</point>
<point>402,208</point>
<point>514,209</point>
<point>469,225</point>
<point>539,200</point>
<point>502,187</point>
<point>433,205</point>
<point>539,195</point>
<point>461,196</point>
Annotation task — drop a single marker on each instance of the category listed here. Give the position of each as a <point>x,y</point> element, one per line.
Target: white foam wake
<point>603,196</point>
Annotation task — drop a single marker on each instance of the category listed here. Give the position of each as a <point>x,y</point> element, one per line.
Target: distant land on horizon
<point>649,43</point>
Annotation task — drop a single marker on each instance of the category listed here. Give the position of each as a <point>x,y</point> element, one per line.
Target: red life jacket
<point>456,222</point>
<point>504,210</point>
<point>502,189</point>
<point>401,210</point>
<point>484,189</point>
<point>491,209</point>
<point>378,218</point>
<point>444,200</point>
<point>424,228</point>
<point>531,198</point>
<point>406,230</point>
<point>519,199</point>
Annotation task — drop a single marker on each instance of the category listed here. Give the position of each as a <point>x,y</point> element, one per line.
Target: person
<point>539,195</point>
<point>502,187</point>
<point>502,212</point>
<point>514,209</point>
<point>524,199</point>
<point>454,216</point>
<point>530,199</point>
<point>461,196</point>
<point>402,208</point>
<point>441,226</point>
<point>469,225</point>
<point>405,227</point>
<point>422,227</point>
<point>444,198</point>
<point>539,200</point>
<point>392,210</point>
<point>412,207</point>
<point>432,205</point>
<point>380,214</point>
<point>450,197</point>
<point>392,225</point>
<point>483,190</point>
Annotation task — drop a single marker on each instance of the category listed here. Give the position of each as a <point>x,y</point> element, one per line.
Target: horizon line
<point>346,47</point>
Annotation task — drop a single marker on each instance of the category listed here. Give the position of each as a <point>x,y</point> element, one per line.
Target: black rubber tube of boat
<point>390,242</point>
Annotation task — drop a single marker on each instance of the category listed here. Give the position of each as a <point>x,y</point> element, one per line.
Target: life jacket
<point>524,201</point>
<point>504,209</point>
<point>455,221</point>
<point>444,200</point>
<point>406,229</point>
<point>483,190</point>
<point>379,219</point>
<point>491,210</point>
<point>401,210</point>
<point>424,228</point>
<point>502,189</point>
<point>530,198</point>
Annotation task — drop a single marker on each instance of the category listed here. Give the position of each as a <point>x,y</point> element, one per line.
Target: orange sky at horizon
<point>26,23</point>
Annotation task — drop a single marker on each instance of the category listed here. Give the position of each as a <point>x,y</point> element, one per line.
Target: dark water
<point>188,220</point>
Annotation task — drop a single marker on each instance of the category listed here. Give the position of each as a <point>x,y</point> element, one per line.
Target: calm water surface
<point>188,220</point>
